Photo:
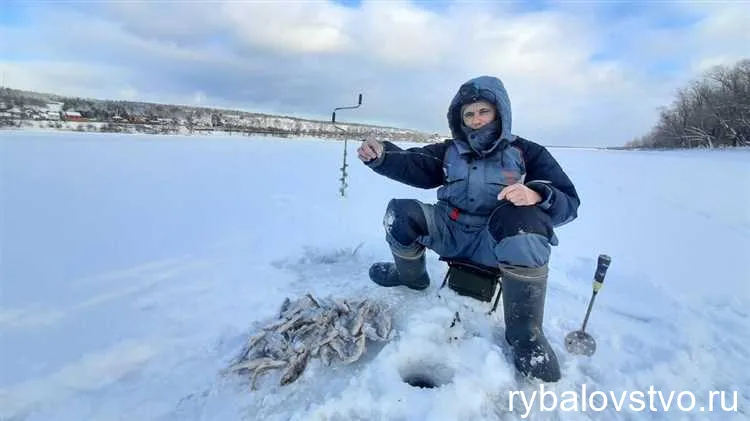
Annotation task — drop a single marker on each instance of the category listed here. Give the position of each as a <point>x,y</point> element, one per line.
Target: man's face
<point>477,114</point>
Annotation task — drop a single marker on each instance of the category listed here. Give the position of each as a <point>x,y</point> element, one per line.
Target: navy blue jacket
<point>423,167</point>
<point>470,180</point>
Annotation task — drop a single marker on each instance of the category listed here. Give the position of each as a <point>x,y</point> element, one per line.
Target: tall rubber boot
<point>411,273</point>
<point>524,291</point>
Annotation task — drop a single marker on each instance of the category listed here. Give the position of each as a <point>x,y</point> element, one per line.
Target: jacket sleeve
<point>545,176</point>
<point>420,167</point>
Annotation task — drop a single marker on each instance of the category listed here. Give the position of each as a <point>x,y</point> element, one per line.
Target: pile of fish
<point>330,329</point>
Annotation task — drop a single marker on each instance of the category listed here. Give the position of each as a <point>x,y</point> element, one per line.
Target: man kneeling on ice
<point>499,198</point>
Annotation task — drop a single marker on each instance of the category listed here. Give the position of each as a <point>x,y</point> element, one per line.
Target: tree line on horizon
<point>713,111</point>
<point>120,115</point>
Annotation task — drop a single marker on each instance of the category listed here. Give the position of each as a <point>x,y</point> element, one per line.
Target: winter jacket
<point>470,180</point>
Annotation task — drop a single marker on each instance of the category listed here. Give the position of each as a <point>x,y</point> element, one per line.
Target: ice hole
<point>426,374</point>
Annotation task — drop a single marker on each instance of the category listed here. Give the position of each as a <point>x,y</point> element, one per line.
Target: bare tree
<point>711,112</point>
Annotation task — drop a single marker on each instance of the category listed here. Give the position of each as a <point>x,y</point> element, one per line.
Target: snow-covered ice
<point>133,268</point>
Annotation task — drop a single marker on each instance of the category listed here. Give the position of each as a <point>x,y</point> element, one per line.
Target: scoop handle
<point>601,270</point>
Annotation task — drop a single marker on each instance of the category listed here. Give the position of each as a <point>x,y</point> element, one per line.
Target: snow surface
<point>135,267</point>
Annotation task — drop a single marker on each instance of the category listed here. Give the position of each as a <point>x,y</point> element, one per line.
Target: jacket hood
<point>490,89</point>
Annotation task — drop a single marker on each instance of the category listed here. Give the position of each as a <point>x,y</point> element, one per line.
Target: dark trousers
<point>515,235</point>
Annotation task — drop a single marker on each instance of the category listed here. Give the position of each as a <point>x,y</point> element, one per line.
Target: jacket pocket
<point>454,173</point>
<point>455,188</point>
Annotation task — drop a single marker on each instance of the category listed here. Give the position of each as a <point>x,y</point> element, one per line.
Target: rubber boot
<point>407,272</point>
<point>524,291</point>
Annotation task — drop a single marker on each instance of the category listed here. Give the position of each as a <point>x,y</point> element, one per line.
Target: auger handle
<point>333,116</point>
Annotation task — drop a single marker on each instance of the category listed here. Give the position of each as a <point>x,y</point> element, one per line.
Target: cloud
<point>721,36</point>
<point>73,78</point>
<point>401,34</point>
<point>289,27</point>
<point>577,73</point>
<point>194,22</point>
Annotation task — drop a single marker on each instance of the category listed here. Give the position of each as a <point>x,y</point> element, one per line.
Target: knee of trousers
<point>522,235</point>
<point>404,222</point>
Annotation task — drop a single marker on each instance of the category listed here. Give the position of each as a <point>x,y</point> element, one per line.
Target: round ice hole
<point>426,375</point>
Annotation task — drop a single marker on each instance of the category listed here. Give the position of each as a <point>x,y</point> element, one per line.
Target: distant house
<point>9,117</point>
<point>53,115</point>
<point>232,119</point>
<point>36,109</point>
<point>73,116</point>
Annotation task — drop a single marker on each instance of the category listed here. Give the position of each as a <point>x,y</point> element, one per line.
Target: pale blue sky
<point>578,72</point>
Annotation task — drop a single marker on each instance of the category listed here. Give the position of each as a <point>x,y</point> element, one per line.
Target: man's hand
<point>369,150</point>
<point>519,195</point>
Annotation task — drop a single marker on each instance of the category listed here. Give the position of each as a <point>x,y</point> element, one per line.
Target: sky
<point>579,73</point>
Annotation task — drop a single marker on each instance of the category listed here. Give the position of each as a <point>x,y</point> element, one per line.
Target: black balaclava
<point>484,139</point>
